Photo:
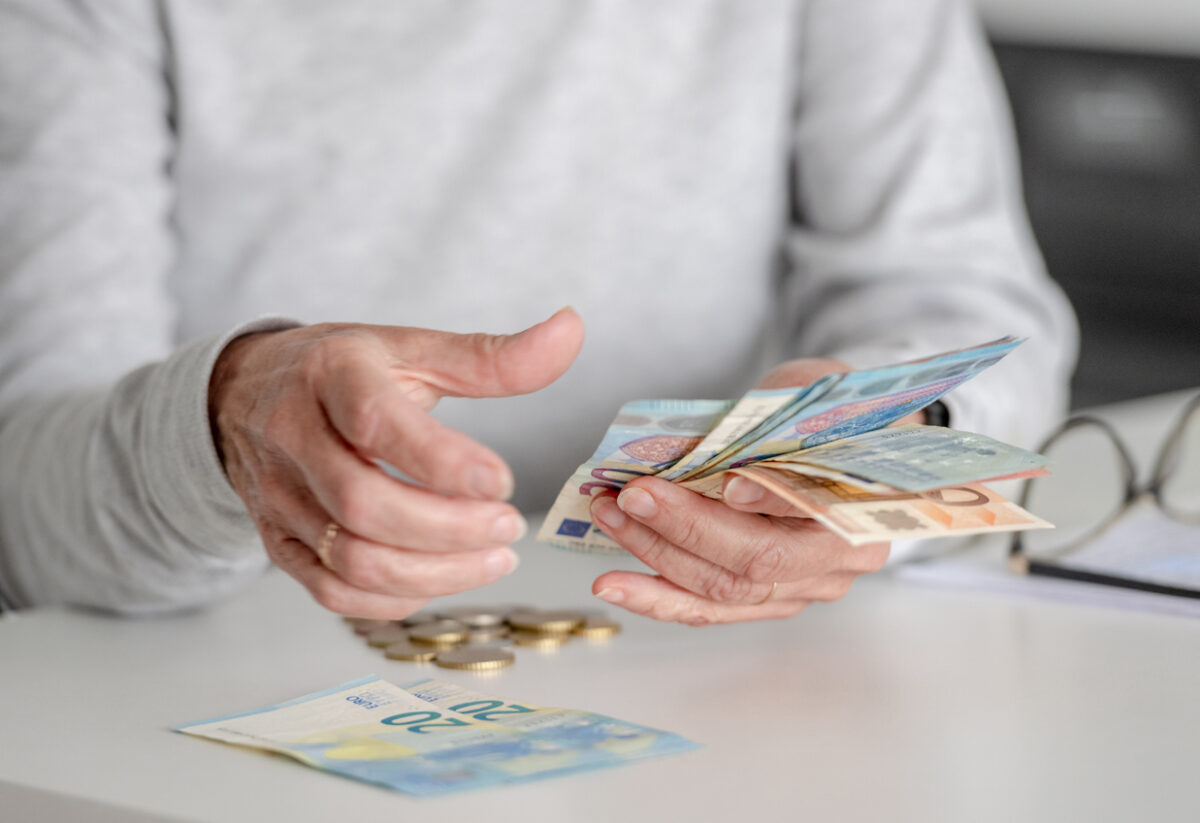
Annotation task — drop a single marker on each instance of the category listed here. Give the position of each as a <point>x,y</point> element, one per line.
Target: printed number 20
<point>488,709</point>
<point>419,722</point>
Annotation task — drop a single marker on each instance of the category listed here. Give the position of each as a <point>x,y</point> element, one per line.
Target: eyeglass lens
<point>1179,468</point>
<point>1086,488</point>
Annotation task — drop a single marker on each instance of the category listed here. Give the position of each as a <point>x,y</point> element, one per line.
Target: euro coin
<point>439,633</point>
<point>597,628</point>
<point>475,618</point>
<point>405,650</point>
<point>366,625</point>
<point>476,658</point>
<point>539,640</point>
<point>487,635</point>
<point>545,622</point>
<point>417,618</point>
<point>387,636</point>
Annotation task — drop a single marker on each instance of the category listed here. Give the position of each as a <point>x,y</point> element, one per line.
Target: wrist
<point>228,367</point>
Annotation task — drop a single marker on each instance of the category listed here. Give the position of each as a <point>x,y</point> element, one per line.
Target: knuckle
<point>488,348</point>
<point>690,533</point>
<point>725,587</point>
<point>353,506</point>
<point>364,420</point>
<point>357,568</point>
<point>767,563</point>
<point>322,354</point>
<point>654,550</point>
<point>694,616</point>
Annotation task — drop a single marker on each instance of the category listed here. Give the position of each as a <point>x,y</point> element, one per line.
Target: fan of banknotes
<point>828,448</point>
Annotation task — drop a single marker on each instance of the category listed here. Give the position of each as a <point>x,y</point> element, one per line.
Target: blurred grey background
<point>1106,98</point>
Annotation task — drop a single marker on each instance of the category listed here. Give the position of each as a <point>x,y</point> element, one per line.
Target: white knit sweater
<point>714,184</point>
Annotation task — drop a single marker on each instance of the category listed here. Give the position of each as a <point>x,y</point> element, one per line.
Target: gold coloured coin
<point>386,636</point>
<point>439,633</point>
<point>475,618</point>
<point>405,650</point>
<point>366,625</point>
<point>417,618</point>
<point>488,635</point>
<point>597,628</point>
<point>546,622</point>
<point>476,658</point>
<point>539,640</point>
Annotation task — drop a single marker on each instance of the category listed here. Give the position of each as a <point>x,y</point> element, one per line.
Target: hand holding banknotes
<point>303,417</point>
<point>752,557</point>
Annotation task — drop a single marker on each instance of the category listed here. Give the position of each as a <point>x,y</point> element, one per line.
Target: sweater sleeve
<point>111,494</point>
<point>911,236</point>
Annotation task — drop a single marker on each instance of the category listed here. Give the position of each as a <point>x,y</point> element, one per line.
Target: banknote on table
<point>596,739</point>
<point>378,732</point>
<point>833,428</point>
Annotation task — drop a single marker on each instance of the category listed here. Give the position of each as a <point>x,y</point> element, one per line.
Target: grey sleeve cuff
<point>188,482</point>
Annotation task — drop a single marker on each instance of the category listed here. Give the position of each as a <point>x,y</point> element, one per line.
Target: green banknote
<point>378,732</point>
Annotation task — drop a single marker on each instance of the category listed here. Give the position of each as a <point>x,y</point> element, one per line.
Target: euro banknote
<point>594,740</point>
<point>645,436</point>
<point>786,426</point>
<point>377,732</point>
<point>845,404</point>
<point>915,458</point>
<point>865,517</point>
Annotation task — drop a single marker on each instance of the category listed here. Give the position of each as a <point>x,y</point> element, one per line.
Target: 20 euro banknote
<point>377,732</point>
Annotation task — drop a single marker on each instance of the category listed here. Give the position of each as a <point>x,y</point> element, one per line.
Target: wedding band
<point>326,544</point>
<point>770,594</point>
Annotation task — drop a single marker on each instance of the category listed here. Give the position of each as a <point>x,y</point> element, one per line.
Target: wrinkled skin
<point>302,418</point>
<point>750,557</point>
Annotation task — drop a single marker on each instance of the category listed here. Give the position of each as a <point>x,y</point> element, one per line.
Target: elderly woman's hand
<point>303,417</point>
<point>751,557</point>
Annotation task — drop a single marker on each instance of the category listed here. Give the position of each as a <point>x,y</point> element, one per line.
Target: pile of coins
<point>479,638</point>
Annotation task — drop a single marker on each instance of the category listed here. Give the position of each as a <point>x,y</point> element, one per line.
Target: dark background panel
<point>1110,145</point>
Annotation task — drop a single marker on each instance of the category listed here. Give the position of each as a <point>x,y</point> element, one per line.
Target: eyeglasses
<point>1109,529</point>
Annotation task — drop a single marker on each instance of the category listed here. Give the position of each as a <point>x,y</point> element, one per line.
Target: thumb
<point>494,365</point>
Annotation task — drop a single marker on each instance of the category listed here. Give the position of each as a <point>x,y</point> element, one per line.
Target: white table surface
<point>901,702</point>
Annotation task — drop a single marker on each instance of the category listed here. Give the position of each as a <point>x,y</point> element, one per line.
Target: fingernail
<point>508,528</point>
<point>611,595</point>
<point>606,511</point>
<point>638,502</point>
<point>743,492</point>
<point>487,482</point>
<point>501,562</point>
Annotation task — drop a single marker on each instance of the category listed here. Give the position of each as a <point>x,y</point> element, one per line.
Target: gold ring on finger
<point>770,594</point>
<point>326,545</point>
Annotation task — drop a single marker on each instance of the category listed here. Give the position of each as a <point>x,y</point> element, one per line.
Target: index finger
<point>378,420</point>
<point>758,548</point>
